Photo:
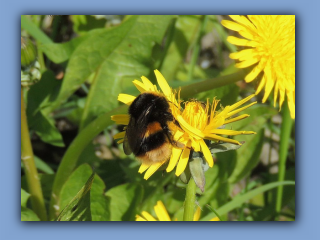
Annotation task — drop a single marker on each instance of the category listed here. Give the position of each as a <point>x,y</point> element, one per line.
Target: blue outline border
<point>307,34</point>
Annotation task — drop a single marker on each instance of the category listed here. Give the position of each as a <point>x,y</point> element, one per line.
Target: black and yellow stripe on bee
<point>155,146</point>
<point>148,135</point>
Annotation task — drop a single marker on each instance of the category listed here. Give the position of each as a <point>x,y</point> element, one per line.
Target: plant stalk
<point>190,201</point>
<point>286,127</point>
<point>31,172</point>
<point>198,87</point>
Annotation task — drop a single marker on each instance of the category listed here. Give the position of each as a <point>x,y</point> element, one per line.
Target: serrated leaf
<point>24,197</point>
<point>28,215</point>
<point>124,200</point>
<point>78,209</point>
<point>60,52</point>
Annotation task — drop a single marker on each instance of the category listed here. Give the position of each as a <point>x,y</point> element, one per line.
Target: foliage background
<point>86,57</point>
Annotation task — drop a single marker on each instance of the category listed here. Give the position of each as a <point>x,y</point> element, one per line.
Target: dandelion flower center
<point>195,114</point>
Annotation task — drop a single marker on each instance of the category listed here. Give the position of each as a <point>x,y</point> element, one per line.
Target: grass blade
<point>240,199</point>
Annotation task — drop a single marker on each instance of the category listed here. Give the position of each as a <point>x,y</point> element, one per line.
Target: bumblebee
<point>148,135</point>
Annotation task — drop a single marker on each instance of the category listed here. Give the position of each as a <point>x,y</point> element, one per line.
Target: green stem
<point>190,201</point>
<point>30,169</point>
<point>209,84</point>
<point>196,49</point>
<point>286,127</point>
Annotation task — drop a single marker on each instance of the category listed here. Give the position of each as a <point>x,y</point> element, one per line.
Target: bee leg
<point>171,140</point>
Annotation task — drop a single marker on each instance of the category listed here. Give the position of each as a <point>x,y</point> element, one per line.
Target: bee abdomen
<point>153,141</point>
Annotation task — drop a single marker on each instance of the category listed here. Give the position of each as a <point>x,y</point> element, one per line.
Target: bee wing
<point>135,132</point>
<point>126,146</point>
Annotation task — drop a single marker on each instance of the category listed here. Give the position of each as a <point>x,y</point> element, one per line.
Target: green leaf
<point>74,183</point>
<point>222,147</point>
<point>269,212</point>
<point>112,173</point>
<point>100,204</point>
<point>39,96</point>
<point>115,57</point>
<point>174,201</point>
<point>259,114</point>
<point>78,209</point>
<point>227,95</point>
<point>159,52</point>
<point>124,200</point>
<point>82,24</point>
<point>46,181</point>
<point>70,159</point>
<point>24,197</point>
<point>197,171</point>
<point>33,30</point>
<point>28,215</point>
<point>185,33</point>
<point>60,52</point>
<point>240,199</point>
<point>248,154</point>
<point>217,187</point>
<point>45,129</point>
<point>42,166</point>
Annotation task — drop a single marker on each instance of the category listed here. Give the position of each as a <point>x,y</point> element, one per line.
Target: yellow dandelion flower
<point>198,122</point>
<point>162,214</point>
<point>269,47</point>
<point>201,122</point>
